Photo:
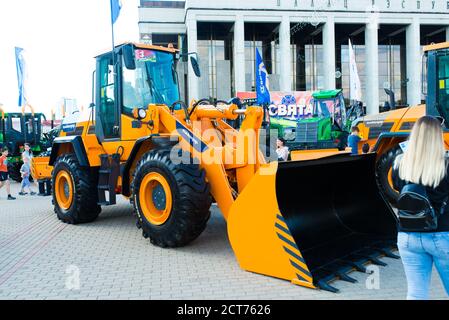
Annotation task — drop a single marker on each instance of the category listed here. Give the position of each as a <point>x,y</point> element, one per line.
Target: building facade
<point>304,43</point>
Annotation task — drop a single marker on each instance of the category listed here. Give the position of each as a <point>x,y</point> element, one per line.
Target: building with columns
<point>304,43</point>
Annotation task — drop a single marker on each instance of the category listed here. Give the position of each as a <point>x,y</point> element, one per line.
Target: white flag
<point>355,87</point>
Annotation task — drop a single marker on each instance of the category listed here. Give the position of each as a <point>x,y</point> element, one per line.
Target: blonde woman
<point>424,163</point>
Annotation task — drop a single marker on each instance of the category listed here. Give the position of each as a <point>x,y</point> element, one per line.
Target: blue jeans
<point>419,251</point>
<point>26,182</point>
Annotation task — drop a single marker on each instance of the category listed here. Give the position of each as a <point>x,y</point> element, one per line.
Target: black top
<point>436,196</point>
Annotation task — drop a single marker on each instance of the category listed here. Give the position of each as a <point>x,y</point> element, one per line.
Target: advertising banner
<point>355,87</point>
<point>22,76</point>
<point>262,82</point>
<point>288,105</point>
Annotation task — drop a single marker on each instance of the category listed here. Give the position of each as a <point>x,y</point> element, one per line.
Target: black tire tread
<point>85,208</point>
<point>191,200</point>
<point>384,164</point>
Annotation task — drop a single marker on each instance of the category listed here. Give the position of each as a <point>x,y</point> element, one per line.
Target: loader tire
<point>75,194</point>
<point>172,201</point>
<point>383,174</point>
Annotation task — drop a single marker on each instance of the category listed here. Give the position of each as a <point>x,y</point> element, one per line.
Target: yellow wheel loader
<point>384,132</point>
<point>305,222</point>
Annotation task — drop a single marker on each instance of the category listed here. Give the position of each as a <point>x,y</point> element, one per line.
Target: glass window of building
<point>265,38</point>
<point>215,48</point>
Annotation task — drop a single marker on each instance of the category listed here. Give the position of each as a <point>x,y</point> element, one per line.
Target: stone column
<point>329,53</point>
<point>286,55</point>
<point>372,68</point>
<point>413,61</point>
<point>192,44</point>
<point>239,54</point>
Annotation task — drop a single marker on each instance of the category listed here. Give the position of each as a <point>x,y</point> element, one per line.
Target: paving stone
<point>39,256</point>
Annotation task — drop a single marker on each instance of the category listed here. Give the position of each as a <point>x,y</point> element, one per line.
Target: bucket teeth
<point>345,277</point>
<point>323,285</point>
<point>356,265</point>
<point>339,269</point>
<point>341,273</point>
<point>373,258</point>
<point>387,252</point>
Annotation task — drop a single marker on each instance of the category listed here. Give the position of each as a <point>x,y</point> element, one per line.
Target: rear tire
<point>75,194</point>
<point>172,201</point>
<point>383,174</point>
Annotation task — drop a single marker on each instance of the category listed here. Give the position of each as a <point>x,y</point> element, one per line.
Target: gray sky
<point>60,38</point>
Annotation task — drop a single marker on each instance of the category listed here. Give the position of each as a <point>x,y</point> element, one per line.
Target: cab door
<point>107,124</point>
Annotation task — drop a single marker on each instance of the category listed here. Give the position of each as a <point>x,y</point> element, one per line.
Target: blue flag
<point>116,6</point>
<point>262,83</point>
<point>21,75</point>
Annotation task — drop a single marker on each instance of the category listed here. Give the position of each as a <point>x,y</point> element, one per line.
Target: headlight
<point>142,113</point>
<point>289,134</point>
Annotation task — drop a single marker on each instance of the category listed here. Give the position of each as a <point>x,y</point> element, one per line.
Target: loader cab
<point>437,101</point>
<point>142,75</point>
<point>17,129</point>
<point>331,104</point>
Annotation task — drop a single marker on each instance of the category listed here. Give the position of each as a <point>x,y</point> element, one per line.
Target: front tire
<point>172,201</point>
<point>384,174</point>
<point>75,194</point>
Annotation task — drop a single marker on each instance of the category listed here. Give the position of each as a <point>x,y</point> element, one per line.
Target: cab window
<point>16,123</point>
<point>154,81</point>
<point>108,113</point>
<point>135,89</point>
<point>443,85</point>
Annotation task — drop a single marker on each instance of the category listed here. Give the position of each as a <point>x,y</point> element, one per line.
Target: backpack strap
<point>443,206</point>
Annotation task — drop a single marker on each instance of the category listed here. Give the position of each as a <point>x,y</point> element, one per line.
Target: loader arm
<point>205,139</point>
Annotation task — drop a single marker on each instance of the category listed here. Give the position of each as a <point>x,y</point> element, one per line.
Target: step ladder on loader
<point>107,179</point>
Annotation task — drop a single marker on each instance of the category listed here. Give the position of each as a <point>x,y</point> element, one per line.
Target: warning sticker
<point>146,56</point>
<point>442,84</point>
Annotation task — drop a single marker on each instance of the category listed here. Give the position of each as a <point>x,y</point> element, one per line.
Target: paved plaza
<point>41,258</point>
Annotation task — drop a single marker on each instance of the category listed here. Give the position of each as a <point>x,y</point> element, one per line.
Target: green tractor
<point>328,126</point>
<point>16,129</point>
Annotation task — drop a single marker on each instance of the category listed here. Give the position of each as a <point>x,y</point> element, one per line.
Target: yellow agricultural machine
<point>173,160</point>
<point>384,132</point>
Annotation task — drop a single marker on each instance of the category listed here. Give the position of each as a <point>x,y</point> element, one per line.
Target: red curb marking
<point>36,249</point>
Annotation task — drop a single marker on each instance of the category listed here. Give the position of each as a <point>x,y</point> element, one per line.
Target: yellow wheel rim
<point>64,189</point>
<point>390,178</point>
<point>155,198</point>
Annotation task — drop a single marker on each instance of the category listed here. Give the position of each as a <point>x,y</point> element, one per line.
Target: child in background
<point>4,177</point>
<point>25,171</point>
<point>353,140</point>
<point>27,151</point>
<point>281,150</point>
<point>366,148</point>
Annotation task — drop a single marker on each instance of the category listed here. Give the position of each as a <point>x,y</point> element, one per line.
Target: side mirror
<point>129,57</point>
<point>195,66</point>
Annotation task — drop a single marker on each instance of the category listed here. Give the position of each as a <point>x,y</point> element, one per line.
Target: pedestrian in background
<point>353,140</point>
<point>27,151</point>
<point>4,177</point>
<point>25,171</point>
<point>424,164</point>
<point>365,148</point>
<point>29,154</point>
<point>281,150</point>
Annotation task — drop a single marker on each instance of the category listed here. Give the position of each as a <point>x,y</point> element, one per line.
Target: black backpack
<point>416,213</point>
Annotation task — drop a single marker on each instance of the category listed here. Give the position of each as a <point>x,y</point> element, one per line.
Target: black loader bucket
<point>325,218</point>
